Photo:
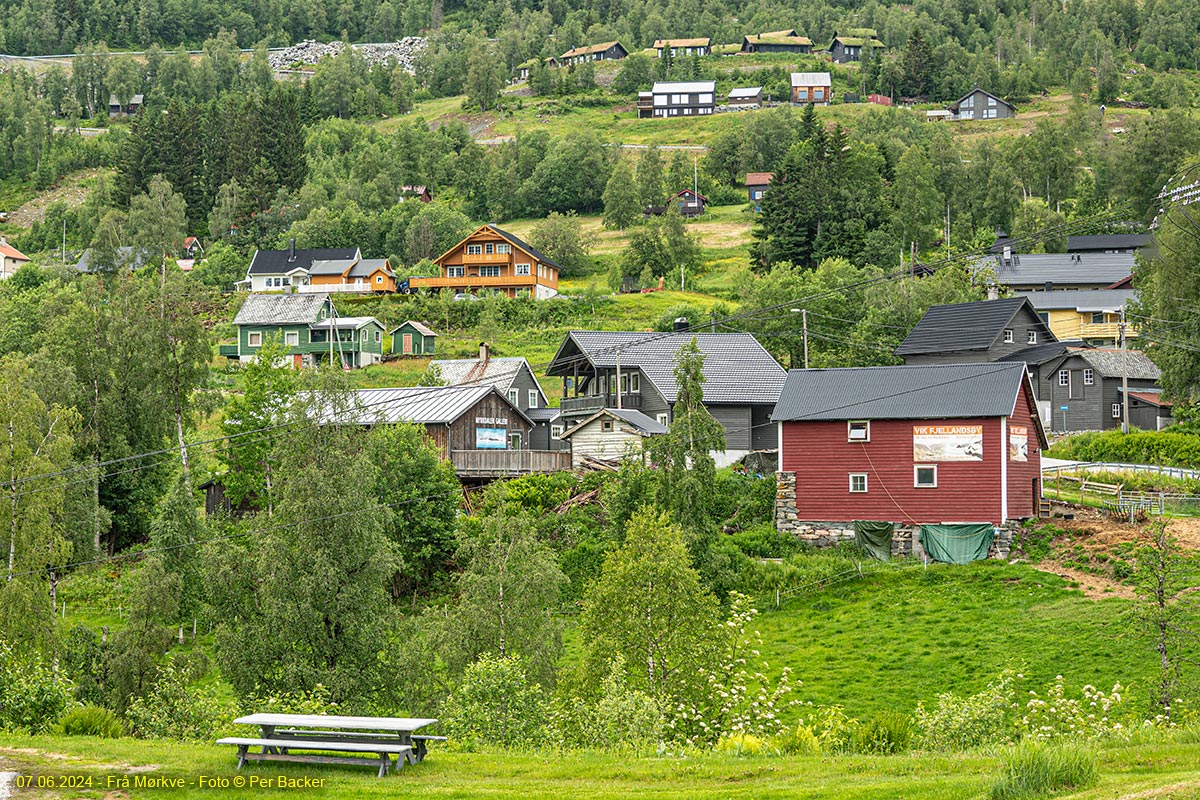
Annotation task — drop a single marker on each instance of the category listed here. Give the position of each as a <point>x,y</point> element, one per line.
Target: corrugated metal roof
<point>1080,299</point>
<point>937,391</point>
<point>366,266</point>
<point>334,266</point>
<point>426,405</point>
<point>962,326</point>
<point>811,79</point>
<point>346,323</point>
<point>1153,398</point>
<point>1108,241</point>
<point>736,367</point>
<point>498,372</point>
<point>684,87</point>
<point>281,309</point>
<point>642,423</point>
<point>1060,269</point>
<point>1112,363</point>
<point>747,91</point>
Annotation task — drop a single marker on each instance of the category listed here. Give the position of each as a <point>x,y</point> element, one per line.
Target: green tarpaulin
<point>957,544</point>
<point>874,537</point>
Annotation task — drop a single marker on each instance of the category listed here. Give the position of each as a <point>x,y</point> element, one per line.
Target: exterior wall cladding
<point>967,491</point>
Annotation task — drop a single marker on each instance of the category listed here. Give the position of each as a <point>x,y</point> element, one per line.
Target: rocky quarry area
<point>406,52</point>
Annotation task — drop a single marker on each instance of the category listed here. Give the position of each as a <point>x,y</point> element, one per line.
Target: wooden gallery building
<point>913,445</point>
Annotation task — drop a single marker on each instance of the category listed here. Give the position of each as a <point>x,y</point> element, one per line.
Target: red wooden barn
<point>911,444</point>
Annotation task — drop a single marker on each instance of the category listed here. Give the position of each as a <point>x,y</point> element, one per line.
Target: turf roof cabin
<point>742,381</point>
<point>605,51</point>
<point>309,330</point>
<point>787,41</point>
<point>910,445</point>
<point>848,45</point>
<point>682,47</point>
<point>413,338</point>
<point>491,259</point>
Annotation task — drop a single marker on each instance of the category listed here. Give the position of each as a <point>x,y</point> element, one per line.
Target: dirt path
<point>70,190</point>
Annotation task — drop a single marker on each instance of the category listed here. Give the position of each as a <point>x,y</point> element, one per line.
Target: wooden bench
<point>276,749</point>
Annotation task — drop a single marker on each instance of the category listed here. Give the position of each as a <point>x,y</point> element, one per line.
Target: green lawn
<point>1162,771</point>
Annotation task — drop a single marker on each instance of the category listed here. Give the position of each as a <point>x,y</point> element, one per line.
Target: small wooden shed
<point>413,339</point>
<point>611,434</point>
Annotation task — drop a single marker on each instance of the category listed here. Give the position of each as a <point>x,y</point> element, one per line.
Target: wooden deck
<point>507,463</point>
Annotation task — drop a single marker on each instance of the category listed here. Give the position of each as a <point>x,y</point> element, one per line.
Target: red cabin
<point>911,444</point>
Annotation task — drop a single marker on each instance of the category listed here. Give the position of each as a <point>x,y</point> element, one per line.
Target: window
<point>635,382</point>
<point>1064,377</point>
<point>379,279</point>
<point>378,337</point>
<point>514,396</point>
<point>454,272</point>
<point>1031,337</point>
<point>1044,316</point>
<point>474,249</point>
<point>1116,410</point>
<point>521,269</point>
<point>489,248</point>
<point>556,432</point>
<point>503,249</point>
<point>1098,318</point>
<point>858,483</point>
<point>858,431</point>
<point>925,476</point>
<point>1008,336</point>
<point>291,338</point>
<point>664,419</point>
<point>606,425</point>
<point>254,339</point>
<point>533,398</point>
<point>489,272</point>
<point>1089,377</point>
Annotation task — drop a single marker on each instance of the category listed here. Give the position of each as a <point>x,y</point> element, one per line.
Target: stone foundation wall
<point>828,534</point>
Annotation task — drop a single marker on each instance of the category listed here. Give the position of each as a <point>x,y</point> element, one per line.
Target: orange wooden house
<point>491,259</point>
<point>352,275</point>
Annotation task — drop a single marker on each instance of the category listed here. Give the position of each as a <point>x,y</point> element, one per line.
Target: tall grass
<point>1036,769</point>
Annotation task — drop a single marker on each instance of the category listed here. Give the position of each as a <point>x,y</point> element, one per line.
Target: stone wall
<point>828,534</point>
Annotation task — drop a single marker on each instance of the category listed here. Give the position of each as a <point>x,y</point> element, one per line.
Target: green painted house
<point>308,326</point>
<point>413,339</point>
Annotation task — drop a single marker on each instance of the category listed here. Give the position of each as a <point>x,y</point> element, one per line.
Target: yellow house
<point>1090,315</point>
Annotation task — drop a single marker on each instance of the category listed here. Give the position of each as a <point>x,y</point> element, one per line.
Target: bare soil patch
<point>69,189</point>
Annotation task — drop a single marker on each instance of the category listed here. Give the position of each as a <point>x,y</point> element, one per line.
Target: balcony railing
<point>323,288</point>
<point>486,258</point>
<point>227,350</point>
<point>595,402</point>
<point>472,280</point>
<point>503,463</point>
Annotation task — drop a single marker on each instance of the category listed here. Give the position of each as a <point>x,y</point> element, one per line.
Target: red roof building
<point>11,259</point>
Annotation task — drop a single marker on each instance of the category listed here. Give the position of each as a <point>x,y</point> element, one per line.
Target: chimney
<point>681,324</point>
<point>993,293</point>
<point>1049,286</point>
<point>292,252</point>
<point>485,352</point>
<point>1006,256</point>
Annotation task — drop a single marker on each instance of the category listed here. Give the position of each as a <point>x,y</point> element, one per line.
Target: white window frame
<point>635,383</point>
<point>664,419</point>
<point>489,271</point>
<point>556,432</point>
<point>1008,336</point>
<point>1064,377</point>
<point>1116,410</point>
<point>378,337</point>
<point>533,398</point>
<point>850,427</point>
<point>489,248</point>
<point>291,338</point>
<point>852,477</point>
<point>503,249</point>
<point>1103,318</point>
<point>379,279</point>
<point>521,269</point>
<point>1031,338</point>
<point>514,397</point>
<point>917,468</point>
<point>455,272</point>
<point>474,249</point>
<point>1089,377</point>
<point>251,336</point>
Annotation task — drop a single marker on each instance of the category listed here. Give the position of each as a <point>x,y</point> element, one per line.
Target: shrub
<point>799,741</point>
<point>960,723</point>
<point>317,700</point>
<point>174,709</point>
<point>496,704</point>
<point>1095,714</point>
<point>91,721</point>
<point>885,733</point>
<point>622,718</point>
<point>743,744</point>
<point>32,695</point>
<point>1036,769</point>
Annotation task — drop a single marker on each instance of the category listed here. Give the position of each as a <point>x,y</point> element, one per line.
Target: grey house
<point>981,104</point>
<point>1083,387</point>
<point>514,379</point>
<point>1047,271</point>
<point>742,381</point>
<point>683,98</point>
<point>1006,330</point>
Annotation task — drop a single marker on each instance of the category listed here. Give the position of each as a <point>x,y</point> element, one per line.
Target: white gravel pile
<point>406,52</point>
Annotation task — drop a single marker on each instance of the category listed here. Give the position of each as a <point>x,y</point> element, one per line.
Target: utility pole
<point>803,312</point>
<point>712,315</point>
<point>618,379</point>
<point>1124,376</point>
<point>681,277</point>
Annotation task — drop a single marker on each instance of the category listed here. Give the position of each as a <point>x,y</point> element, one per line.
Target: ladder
<point>1043,508</point>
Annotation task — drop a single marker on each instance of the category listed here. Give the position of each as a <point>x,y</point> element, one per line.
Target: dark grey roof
<point>1060,269</point>
<point>737,369</point>
<point>642,423</point>
<point>498,372</point>
<point>1108,241</point>
<point>528,248</point>
<point>276,262</point>
<point>427,405</point>
<point>1108,362</point>
<point>1040,353</point>
<point>1080,299</point>
<point>366,266</point>
<point>542,414</point>
<point>281,309</point>
<point>936,391</point>
<point>954,106</point>
<point>963,326</point>
<point>333,266</point>
<point>133,259</point>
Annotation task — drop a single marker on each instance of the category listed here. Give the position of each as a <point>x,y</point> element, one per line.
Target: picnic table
<point>283,734</point>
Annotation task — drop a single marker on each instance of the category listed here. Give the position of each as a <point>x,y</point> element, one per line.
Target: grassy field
<point>1166,771</point>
